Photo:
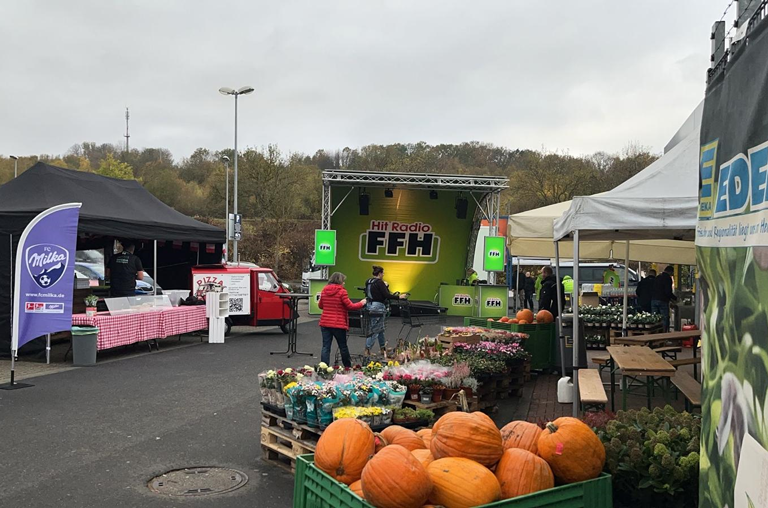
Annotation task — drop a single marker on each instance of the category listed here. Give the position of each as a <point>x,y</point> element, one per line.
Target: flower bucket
<point>312,420</point>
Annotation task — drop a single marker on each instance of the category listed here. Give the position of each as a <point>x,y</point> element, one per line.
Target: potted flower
<point>426,394</point>
<point>451,387</point>
<point>469,385</point>
<point>90,305</point>
<point>413,389</point>
<point>437,392</point>
<point>386,416</point>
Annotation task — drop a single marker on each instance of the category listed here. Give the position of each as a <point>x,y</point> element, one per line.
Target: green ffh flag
<point>325,247</point>
<point>493,258</point>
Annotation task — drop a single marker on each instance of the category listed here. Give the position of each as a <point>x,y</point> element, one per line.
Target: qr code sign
<point>236,304</point>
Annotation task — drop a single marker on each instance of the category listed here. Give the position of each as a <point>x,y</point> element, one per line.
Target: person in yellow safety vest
<point>567,285</point>
<point>610,277</point>
<point>472,277</point>
<point>537,285</point>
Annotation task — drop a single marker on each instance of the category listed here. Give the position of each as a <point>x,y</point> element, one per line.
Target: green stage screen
<point>325,247</point>
<point>419,241</point>
<point>493,253</point>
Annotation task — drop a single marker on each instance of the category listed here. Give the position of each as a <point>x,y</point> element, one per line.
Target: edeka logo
<point>399,242</point>
<point>46,263</point>
<point>462,300</point>
<point>493,303</point>
<point>707,176</point>
<point>742,182</point>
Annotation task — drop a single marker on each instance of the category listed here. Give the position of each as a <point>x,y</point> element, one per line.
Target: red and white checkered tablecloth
<point>178,320</point>
<point>129,328</point>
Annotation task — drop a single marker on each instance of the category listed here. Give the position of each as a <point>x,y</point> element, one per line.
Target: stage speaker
<point>364,202</point>
<point>461,208</point>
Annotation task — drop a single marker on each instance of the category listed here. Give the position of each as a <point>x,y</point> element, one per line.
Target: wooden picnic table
<point>660,339</point>
<point>635,362</point>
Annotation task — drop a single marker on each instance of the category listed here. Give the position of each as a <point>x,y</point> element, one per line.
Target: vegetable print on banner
<point>732,254</point>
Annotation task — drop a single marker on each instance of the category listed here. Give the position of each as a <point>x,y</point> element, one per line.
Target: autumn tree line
<point>280,193</point>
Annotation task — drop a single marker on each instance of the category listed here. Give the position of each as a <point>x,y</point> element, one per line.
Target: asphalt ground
<point>95,436</point>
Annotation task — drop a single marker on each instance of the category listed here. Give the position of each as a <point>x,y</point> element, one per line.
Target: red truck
<point>253,299</point>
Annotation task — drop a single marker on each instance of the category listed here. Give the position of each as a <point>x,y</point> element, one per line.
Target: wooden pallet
<point>280,448</point>
<point>299,431</point>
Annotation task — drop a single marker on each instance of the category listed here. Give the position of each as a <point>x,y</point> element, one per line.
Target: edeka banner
<point>732,254</point>
<point>44,275</point>
<point>418,240</point>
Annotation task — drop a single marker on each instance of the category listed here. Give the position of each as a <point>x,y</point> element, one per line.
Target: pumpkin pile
<point>526,317</point>
<point>463,461</point>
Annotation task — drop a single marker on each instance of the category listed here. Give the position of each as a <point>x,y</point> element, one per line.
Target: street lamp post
<point>226,198</point>
<point>231,91</point>
<point>15,166</point>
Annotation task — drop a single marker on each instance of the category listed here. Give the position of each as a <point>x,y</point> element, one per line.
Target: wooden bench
<point>668,351</point>
<point>689,387</point>
<point>591,391</point>
<point>601,362</point>
<point>685,361</point>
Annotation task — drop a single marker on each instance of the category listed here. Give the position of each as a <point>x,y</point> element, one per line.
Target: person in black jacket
<point>548,295</point>
<point>663,294</point>
<point>377,293</point>
<point>645,291</point>
<point>530,289</point>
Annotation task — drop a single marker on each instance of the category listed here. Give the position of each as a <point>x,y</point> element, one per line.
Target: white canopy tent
<point>659,203</point>
<point>531,233</point>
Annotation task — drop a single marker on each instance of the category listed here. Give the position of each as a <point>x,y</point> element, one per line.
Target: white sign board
<point>238,285</point>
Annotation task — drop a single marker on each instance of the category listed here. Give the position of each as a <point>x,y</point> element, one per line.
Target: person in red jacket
<point>334,322</point>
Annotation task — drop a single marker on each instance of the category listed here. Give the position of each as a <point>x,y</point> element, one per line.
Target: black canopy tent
<point>111,209</point>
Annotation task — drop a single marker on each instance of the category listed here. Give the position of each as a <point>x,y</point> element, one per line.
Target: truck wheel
<point>228,322</point>
<point>284,328</point>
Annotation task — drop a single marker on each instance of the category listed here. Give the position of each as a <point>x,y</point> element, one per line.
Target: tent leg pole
<point>626,289</point>
<point>559,310</point>
<point>154,272</point>
<point>517,285</point>
<point>48,349</point>
<point>576,302</point>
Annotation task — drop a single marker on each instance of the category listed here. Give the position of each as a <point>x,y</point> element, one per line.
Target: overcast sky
<point>577,76</point>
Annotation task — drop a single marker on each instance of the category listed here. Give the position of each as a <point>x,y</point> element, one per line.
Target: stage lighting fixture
<point>461,207</point>
<point>433,194</point>
<point>388,193</point>
<point>364,201</point>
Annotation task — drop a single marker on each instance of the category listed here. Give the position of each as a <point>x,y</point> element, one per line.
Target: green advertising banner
<point>315,287</point>
<point>325,247</point>
<point>418,240</point>
<point>493,301</point>
<point>459,300</point>
<point>732,256</point>
<point>493,253</point>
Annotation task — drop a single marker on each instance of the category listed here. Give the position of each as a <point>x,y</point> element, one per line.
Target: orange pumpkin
<point>394,478</point>
<point>572,450</point>
<point>357,488</point>
<point>525,315</point>
<point>344,448</point>
<point>523,322</point>
<point>423,456</point>
<point>514,321</point>
<point>460,483</point>
<point>505,319</point>
<point>470,435</point>
<point>408,439</point>
<point>544,316</point>
<point>521,472</point>
<point>379,441</point>
<point>520,434</point>
<point>426,436</point>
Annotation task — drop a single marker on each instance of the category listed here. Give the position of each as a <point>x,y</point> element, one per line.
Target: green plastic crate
<point>315,489</point>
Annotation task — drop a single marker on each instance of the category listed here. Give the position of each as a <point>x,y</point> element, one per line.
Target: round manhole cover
<point>198,481</point>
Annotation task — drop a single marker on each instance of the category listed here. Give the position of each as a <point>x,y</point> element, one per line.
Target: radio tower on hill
<point>127,136</point>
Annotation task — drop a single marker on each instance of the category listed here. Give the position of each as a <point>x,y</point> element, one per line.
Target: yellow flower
<point>289,385</point>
